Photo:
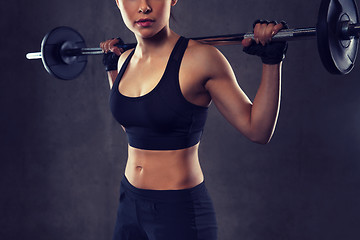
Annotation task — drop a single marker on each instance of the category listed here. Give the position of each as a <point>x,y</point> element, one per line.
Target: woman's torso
<point>163,169</point>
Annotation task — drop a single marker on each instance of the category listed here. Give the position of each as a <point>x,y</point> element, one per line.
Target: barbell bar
<point>64,52</point>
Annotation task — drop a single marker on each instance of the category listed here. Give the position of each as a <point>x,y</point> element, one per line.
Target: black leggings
<point>186,214</point>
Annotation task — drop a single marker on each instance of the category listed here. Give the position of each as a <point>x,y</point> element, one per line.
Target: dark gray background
<point>63,154</point>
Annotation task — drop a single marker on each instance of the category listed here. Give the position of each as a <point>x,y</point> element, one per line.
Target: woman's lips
<point>145,22</point>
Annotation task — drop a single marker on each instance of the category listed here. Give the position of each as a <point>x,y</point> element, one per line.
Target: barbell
<point>64,52</point>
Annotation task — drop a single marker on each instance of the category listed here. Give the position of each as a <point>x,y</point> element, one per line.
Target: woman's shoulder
<point>123,57</point>
<point>201,50</point>
<point>203,55</point>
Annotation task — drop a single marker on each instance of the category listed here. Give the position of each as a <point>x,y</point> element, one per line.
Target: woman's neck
<point>155,45</point>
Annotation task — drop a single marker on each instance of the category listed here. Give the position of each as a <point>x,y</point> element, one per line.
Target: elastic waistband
<point>181,195</point>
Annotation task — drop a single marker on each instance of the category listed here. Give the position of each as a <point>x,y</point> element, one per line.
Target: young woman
<point>160,95</point>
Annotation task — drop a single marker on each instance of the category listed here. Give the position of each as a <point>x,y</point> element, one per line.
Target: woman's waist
<point>163,169</point>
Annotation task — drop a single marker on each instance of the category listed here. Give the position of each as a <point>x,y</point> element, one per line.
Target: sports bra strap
<point>180,49</point>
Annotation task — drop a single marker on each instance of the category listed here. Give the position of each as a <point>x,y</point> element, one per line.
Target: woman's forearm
<point>265,108</point>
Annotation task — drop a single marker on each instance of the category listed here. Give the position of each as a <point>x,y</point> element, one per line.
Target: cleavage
<point>141,77</point>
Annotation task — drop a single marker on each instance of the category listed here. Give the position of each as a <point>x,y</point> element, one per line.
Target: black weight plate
<point>337,55</point>
<point>51,53</point>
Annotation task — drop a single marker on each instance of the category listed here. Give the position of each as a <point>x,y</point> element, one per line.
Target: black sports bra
<point>161,119</point>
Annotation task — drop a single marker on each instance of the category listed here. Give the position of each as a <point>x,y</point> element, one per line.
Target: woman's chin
<point>146,33</point>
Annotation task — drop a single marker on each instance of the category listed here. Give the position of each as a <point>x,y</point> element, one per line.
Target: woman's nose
<point>144,7</point>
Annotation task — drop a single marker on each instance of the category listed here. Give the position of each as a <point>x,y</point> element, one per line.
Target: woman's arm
<point>265,108</point>
<point>111,77</point>
<point>255,120</point>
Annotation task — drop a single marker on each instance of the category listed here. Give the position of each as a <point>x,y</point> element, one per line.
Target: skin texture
<point>205,76</point>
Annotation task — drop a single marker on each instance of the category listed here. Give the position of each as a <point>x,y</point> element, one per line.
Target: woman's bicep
<point>228,97</point>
